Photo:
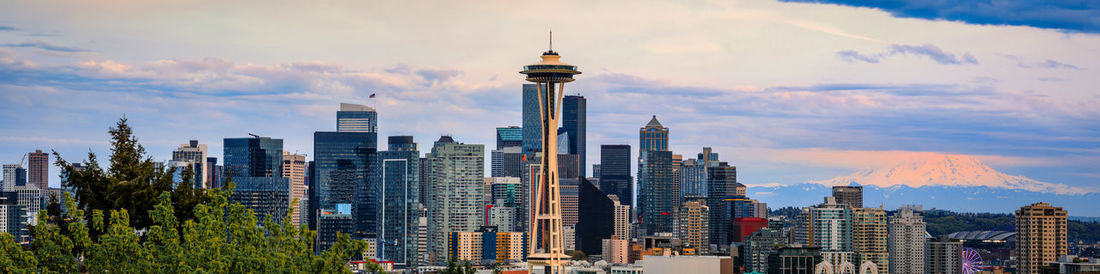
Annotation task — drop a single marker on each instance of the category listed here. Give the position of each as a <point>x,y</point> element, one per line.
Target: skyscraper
<point>653,136</point>
<point>694,225</point>
<point>194,154</point>
<point>294,168</point>
<point>906,242</point>
<point>596,220</point>
<point>356,118</point>
<point>14,175</point>
<point>615,176</point>
<point>399,181</point>
<point>255,165</point>
<point>759,246</point>
<point>1040,236</point>
<point>342,172</point>
<point>574,121</point>
<point>869,237</point>
<point>507,162</point>
<point>455,192</point>
<point>622,219</point>
<point>721,184</point>
<point>509,137</point>
<point>850,195</point>
<point>38,169</point>
<point>830,226</point>
<point>532,122</point>
<point>213,175</point>
<point>549,76</point>
<point>658,198</point>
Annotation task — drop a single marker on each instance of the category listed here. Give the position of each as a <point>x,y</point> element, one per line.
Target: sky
<point>789,92</point>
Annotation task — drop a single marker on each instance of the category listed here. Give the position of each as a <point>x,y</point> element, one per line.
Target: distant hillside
<point>943,222</point>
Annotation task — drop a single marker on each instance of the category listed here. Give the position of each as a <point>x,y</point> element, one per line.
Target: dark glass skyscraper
<point>615,175</point>
<point>532,121</point>
<point>658,199</point>
<point>400,181</point>
<point>255,165</point>
<point>356,118</point>
<point>509,137</point>
<point>343,172</point>
<point>574,121</point>
<point>721,184</point>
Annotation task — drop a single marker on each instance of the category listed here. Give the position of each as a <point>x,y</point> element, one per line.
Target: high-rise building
<point>615,251</point>
<point>760,245</point>
<point>38,173</point>
<point>511,136</point>
<point>574,121</point>
<point>869,237</point>
<point>532,121</point>
<point>570,200</point>
<point>694,225</point>
<point>621,219</point>
<point>399,179</point>
<point>502,217</point>
<point>942,255</point>
<point>569,166</point>
<point>721,184</point>
<point>1040,236</point>
<point>194,154</point>
<point>14,175</point>
<point>615,175</point>
<point>255,165</point>
<point>906,242</point>
<point>829,226</point>
<point>693,180</point>
<point>745,226</point>
<point>653,136</point>
<point>332,221</point>
<point>487,246</point>
<point>356,118</point>
<point>294,169</point>
<point>505,191</point>
<point>596,222</point>
<point>14,217</point>
<point>507,162</point>
<point>455,192</point>
<point>596,171</point>
<point>658,196</point>
<point>343,173</point>
<point>851,195</point>
<point>213,175</point>
<point>794,260</point>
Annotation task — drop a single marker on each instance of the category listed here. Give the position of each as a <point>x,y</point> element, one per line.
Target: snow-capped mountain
<point>947,170</point>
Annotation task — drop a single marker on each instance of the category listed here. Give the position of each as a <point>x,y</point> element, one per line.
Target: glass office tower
<point>400,181</point>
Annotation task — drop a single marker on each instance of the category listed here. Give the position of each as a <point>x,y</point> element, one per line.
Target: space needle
<point>547,245</point>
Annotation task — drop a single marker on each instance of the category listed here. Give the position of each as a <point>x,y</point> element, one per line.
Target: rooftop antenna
<point>551,39</point>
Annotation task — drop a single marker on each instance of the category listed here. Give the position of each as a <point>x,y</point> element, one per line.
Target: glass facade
<point>255,166</point>
<point>400,181</point>
<point>615,175</point>
<point>574,122</point>
<point>532,121</point>
<point>356,118</point>
<point>721,183</point>
<point>342,173</point>
<point>658,201</point>
<point>509,137</point>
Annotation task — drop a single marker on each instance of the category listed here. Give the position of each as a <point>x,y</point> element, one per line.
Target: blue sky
<point>787,91</point>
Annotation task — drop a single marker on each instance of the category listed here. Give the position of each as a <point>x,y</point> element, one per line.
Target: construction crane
<point>253,135</point>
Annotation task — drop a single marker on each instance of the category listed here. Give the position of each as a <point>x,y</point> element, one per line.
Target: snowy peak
<point>934,169</point>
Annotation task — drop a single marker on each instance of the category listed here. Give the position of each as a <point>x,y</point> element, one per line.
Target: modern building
<point>356,118</point>
<point>294,169</point>
<point>507,162</point>
<point>486,246</point>
<point>906,242</point>
<point>721,184</point>
<point>851,195</point>
<point>14,175</point>
<point>795,260</point>
<point>693,180</point>
<point>942,255</point>
<point>214,175</point>
<point>399,182</point>
<point>343,173</point>
<point>532,121</point>
<point>658,196</point>
<point>759,246</point>
<point>509,137</point>
<point>694,225</point>
<point>653,136</point>
<point>869,237</point>
<point>828,226</point>
<point>615,176</point>
<point>255,165</point>
<point>194,154</point>
<point>687,264</point>
<point>454,202</point>
<point>14,217</point>
<point>574,121</point>
<point>596,221</point>
<point>1040,236</point>
<point>621,223</point>
<point>615,251</point>
<point>332,222</point>
<point>503,217</point>
<point>1070,264</point>
<point>569,191</point>
<point>38,173</point>
<point>745,226</point>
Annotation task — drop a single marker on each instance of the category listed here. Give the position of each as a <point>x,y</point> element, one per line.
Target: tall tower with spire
<point>547,246</point>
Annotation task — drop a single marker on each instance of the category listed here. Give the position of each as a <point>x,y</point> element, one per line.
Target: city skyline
<point>856,97</point>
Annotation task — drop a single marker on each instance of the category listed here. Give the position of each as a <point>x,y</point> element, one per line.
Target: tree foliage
<point>139,223</point>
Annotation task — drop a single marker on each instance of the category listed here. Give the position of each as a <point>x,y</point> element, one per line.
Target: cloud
<point>928,50</point>
<point>1057,65</point>
<point>8,28</point>
<point>44,46</point>
<point>1072,16</point>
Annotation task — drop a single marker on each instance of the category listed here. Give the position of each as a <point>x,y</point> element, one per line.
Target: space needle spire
<point>547,245</point>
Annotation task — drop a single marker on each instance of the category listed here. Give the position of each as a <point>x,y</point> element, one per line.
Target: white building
<point>906,242</point>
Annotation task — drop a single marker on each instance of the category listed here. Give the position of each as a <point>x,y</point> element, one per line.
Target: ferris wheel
<point>971,261</point>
